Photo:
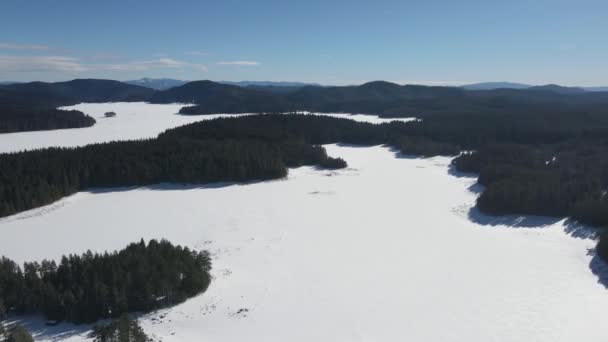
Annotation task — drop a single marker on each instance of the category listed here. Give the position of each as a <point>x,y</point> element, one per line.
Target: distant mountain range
<point>167,83</point>
<point>284,87</point>
<point>596,88</point>
<point>157,83</point>
<point>269,84</point>
<point>511,85</point>
<point>495,85</point>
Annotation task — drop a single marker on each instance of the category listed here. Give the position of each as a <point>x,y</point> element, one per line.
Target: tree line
<point>378,98</point>
<point>92,286</point>
<point>540,162</point>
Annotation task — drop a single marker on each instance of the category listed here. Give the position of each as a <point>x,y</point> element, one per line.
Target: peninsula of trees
<point>88,287</point>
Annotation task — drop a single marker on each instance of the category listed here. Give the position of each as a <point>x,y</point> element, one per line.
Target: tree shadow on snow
<point>599,268</point>
<point>514,221</point>
<point>400,155</point>
<point>453,171</point>
<point>40,331</point>
<point>571,227</point>
<point>174,186</point>
<point>581,231</point>
<point>340,144</point>
<point>476,188</point>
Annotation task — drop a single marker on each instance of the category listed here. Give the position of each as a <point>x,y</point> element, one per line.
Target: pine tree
<point>19,334</point>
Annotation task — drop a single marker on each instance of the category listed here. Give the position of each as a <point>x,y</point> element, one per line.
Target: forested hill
<point>222,98</point>
<point>45,95</point>
<point>32,106</point>
<point>381,98</point>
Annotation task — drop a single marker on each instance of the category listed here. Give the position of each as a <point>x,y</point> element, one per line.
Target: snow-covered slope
<point>386,250</point>
<point>134,120</point>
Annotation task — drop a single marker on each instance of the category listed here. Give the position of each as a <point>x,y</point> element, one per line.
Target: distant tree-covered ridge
<point>32,106</point>
<point>378,98</point>
<point>88,287</point>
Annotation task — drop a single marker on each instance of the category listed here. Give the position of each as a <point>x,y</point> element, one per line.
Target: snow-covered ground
<point>386,250</point>
<point>134,120</point>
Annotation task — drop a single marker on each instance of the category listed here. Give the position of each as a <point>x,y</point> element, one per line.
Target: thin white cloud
<point>41,63</point>
<point>241,63</point>
<point>155,64</point>
<point>101,56</point>
<point>9,63</point>
<point>10,46</point>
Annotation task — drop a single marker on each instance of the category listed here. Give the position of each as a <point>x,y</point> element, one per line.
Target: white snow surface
<point>385,250</point>
<point>134,120</point>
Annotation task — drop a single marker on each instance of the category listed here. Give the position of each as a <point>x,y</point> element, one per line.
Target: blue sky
<point>330,42</point>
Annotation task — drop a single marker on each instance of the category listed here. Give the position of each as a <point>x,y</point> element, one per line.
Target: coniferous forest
<point>541,162</point>
<point>543,155</point>
<point>33,119</point>
<point>88,287</point>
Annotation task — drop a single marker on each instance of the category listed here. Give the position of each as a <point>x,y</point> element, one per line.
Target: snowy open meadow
<point>388,249</point>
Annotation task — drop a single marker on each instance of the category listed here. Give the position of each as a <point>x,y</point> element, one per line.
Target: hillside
<point>157,83</point>
<point>43,94</point>
<point>495,85</point>
<point>215,97</point>
<point>32,106</point>
<point>382,98</point>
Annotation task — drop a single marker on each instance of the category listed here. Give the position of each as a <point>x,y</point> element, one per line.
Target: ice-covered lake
<point>134,120</point>
<point>385,250</point>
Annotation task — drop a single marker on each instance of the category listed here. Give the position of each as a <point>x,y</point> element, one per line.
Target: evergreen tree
<point>18,334</point>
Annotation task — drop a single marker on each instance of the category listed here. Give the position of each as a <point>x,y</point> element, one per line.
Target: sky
<point>328,42</point>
